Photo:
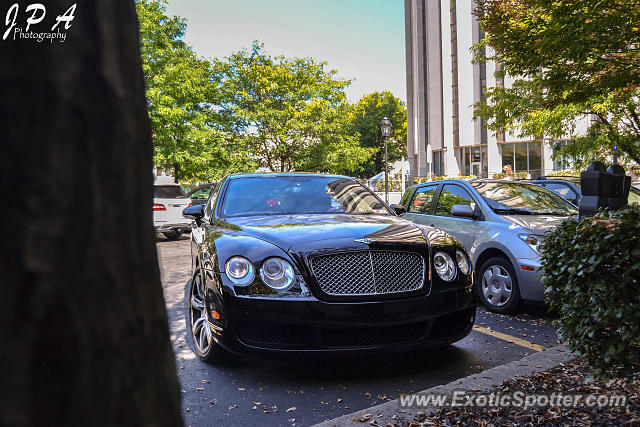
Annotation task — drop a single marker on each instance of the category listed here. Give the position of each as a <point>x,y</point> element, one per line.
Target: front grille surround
<point>369,272</point>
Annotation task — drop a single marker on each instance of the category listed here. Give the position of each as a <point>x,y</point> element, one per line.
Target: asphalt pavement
<point>266,392</point>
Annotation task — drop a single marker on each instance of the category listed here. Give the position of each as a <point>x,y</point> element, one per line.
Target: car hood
<point>536,223</point>
<point>287,231</point>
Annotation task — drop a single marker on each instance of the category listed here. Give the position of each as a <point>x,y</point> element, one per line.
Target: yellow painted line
<point>508,338</point>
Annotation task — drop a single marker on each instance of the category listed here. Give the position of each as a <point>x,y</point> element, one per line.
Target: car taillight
<point>190,204</point>
<point>159,207</point>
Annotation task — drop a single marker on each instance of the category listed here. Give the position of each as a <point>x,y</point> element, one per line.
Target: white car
<point>168,202</point>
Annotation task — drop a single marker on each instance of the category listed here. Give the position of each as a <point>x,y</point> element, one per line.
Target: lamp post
<point>385,129</point>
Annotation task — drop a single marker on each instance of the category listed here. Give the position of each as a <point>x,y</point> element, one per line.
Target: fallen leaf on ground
<point>363,418</point>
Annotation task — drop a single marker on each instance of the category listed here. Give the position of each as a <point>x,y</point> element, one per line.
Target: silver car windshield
<point>299,194</point>
<point>513,198</point>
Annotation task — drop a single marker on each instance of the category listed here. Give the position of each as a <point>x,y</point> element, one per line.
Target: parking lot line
<point>508,338</point>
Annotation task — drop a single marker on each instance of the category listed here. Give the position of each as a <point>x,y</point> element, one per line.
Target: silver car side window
<point>422,199</point>
<point>450,195</point>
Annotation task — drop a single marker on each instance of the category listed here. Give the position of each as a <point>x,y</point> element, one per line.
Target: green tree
<point>572,58</point>
<point>181,93</point>
<point>365,119</point>
<point>289,111</point>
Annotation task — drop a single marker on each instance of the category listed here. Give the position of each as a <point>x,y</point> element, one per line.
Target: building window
<point>523,157</point>
<point>561,163</point>
<point>473,161</point>
<point>438,163</point>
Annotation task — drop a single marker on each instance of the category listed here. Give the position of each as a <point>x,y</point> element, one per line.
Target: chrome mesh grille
<point>369,272</point>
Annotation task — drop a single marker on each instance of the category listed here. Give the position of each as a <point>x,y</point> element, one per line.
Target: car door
<point>420,206</point>
<point>463,229</point>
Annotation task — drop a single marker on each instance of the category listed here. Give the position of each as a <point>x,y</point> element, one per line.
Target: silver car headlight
<point>533,241</point>
<point>240,270</point>
<point>463,262</point>
<point>277,273</point>
<point>444,266</point>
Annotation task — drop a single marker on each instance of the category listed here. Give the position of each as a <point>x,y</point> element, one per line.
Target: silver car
<point>501,223</point>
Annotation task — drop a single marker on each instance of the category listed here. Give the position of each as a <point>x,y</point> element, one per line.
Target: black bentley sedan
<point>310,264</point>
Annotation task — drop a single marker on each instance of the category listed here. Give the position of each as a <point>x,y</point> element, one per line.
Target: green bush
<point>566,172</point>
<point>514,175</point>
<point>592,279</point>
<point>394,185</point>
<point>421,179</point>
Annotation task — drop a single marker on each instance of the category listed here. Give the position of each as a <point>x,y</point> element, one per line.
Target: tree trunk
<point>83,323</point>
<point>176,172</point>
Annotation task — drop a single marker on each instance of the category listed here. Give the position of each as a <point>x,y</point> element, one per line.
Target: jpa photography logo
<point>28,24</point>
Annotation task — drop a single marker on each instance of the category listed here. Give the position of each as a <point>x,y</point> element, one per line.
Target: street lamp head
<point>385,127</point>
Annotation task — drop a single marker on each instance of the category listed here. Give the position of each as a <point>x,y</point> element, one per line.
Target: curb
<point>391,412</point>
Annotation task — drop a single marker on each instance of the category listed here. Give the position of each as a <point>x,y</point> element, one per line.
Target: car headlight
<point>533,241</point>
<point>444,266</point>
<point>463,262</point>
<point>277,273</point>
<point>240,270</point>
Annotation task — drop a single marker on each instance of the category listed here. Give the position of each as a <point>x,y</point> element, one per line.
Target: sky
<point>361,39</point>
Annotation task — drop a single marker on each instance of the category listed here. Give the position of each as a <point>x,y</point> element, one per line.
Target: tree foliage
<point>290,111</point>
<point>181,93</point>
<point>251,110</point>
<point>365,119</point>
<point>571,58</point>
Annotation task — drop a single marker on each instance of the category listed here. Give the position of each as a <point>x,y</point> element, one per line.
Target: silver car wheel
<point>200,328</point>
<point>497,285</point>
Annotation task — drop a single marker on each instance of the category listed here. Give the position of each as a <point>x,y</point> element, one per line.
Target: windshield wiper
<point>513,211</point>
<point>556,213</point>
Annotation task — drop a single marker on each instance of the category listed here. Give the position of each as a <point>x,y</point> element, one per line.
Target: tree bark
<point>83,323</point>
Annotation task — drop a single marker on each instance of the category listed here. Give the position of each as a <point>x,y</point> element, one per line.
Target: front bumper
<point>529,272</point>
<point>167,228</point>
<point>308,326</point>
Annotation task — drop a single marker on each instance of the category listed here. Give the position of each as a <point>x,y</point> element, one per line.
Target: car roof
<point>276,174</point>
<point>557,178</point>
<point>469,182</point>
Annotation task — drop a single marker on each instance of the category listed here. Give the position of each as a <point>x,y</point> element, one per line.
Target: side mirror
<point>465,211</point>
<point>398,209</point>
<point>194,212</point>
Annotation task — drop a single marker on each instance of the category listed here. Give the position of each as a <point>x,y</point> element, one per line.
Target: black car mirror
<point>465,211</point>
<point>398,209</point>
<point>194,212</point>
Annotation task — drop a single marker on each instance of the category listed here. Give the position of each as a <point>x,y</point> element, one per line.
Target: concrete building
<point>443,84</point>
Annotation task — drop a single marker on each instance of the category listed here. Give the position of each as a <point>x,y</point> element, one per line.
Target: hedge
<point>592,279</point>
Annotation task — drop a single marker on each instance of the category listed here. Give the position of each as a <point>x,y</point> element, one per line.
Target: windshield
<point>512,198</point>
<point>168,192</point>
<point>299,194</point>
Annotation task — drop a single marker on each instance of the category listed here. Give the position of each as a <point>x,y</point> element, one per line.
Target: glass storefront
<point>473,161</point>
<point>523,156</point>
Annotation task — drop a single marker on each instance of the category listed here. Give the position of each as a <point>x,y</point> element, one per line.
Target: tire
<point>497,286</point>
<point>199,330</point>
<point>173,235</point>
